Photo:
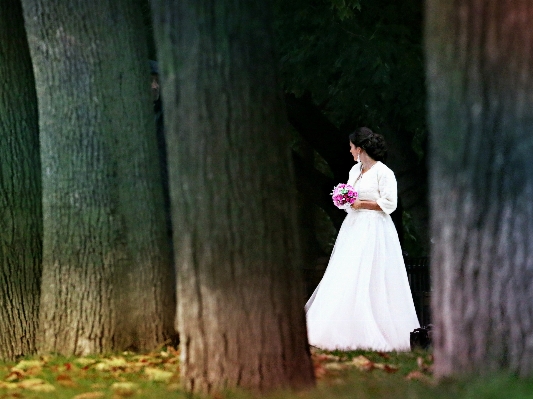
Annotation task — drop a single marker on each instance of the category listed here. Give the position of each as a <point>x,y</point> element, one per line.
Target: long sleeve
<point>388,190</point>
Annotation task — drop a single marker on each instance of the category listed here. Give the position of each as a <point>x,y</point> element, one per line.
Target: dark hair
<point>373,143</point>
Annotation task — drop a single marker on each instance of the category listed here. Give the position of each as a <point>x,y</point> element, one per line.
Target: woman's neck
<point>366,162</point>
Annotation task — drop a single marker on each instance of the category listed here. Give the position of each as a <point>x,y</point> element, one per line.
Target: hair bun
<point>373,143</point>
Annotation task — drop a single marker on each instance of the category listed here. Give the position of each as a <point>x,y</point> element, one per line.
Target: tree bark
<point>240,311</point>
<point>480,74</point>
<point>107,275</point>
<point>20,189</point>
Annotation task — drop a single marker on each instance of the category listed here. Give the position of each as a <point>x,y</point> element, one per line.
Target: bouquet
<point>343,195</point>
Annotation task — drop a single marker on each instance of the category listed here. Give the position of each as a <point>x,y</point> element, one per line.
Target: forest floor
<point>354,375</point>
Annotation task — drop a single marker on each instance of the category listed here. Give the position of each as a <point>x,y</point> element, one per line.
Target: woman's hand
<point>356,204</point>
<point>364,204</point>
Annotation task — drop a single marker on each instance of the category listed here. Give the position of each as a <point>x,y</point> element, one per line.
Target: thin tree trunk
<point>240,314</point>
<point>20,189</point>
<point>480,73</point>
<point>107,275</point>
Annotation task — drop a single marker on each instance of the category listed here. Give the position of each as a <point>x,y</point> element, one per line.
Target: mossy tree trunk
<point>240,309</point>
<point>20,189</point>
<point>480,74</point>
<point>107,274</point>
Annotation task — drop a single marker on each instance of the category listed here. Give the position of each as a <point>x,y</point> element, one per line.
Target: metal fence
<point>419,281</point>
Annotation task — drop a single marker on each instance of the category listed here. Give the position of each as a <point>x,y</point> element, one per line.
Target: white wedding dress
<point>363,300</point>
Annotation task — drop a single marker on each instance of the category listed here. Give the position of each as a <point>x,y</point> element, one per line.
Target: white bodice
<point>377,184</point>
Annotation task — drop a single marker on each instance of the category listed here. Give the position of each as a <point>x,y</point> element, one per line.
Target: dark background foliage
<point>361,61</point>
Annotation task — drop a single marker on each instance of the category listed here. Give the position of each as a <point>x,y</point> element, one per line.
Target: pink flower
<point>343,194</point>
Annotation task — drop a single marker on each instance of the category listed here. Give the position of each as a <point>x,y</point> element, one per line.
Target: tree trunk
<point>20,189</point>
<point>480,74</point>
<point>240,312</point>
<point>107,275</point>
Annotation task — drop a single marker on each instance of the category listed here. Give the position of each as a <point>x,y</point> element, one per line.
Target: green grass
<point>354,375</point>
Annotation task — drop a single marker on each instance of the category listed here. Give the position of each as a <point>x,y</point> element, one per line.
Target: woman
<point>364,300</point>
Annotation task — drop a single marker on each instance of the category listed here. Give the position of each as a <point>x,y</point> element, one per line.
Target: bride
<point>363,300</point>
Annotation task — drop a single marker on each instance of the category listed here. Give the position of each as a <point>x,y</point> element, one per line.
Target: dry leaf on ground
<point>158,375</point>
<point>334,366</point>
<point>418,376</point>
<point>124,388</point>
<point>15,374</point>
<point>8,385</point>
<point>388,368</point>
<point>90,395</point>
<point>362,363</point>
<point>65,380</point>
<point>28,364</point>
<point>113,363</point>
<point>36,384</point>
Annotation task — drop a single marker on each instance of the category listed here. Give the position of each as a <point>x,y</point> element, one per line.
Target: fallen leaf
<point>46,358</point>
<point>34,371</point>
<point>334,366</point>
<point>102,367</point>
<point>15,374</point>
<point>116,362</point>
<point>144,360</point>
<point>158,375</point>
<point>390,369</point>
<point>362,363</point>
<point>8,385</point>
<point>418,376</point>
<point>111,364</point>
<point>28,364</point>
<point>384,355</point>
<point>65,380</point>
<point>90,395</point>
<point>36,384</point>
<point>326,357</point>
<point>124,388</point>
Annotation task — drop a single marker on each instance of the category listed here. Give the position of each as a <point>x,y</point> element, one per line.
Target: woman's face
<point>354,151</point>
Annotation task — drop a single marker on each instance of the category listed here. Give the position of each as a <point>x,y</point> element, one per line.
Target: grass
<point>354,375</point>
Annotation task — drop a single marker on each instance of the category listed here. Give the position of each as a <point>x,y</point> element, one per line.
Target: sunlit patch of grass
<point>341,375</point>
<point>153,375</point>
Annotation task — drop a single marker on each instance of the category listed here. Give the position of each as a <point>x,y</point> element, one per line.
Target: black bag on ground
<point>421,337</point>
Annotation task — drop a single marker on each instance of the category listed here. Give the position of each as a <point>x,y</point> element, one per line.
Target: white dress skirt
<point>364,300</point>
